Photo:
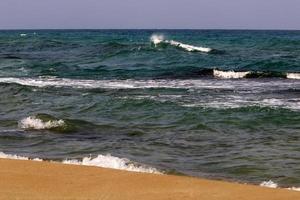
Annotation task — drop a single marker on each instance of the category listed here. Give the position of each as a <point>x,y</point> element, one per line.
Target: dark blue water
<point>209,103</point>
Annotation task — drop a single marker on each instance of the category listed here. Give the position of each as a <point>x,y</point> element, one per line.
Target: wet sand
<point>44,180</point>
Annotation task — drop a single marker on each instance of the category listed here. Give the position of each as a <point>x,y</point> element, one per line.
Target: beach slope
<point>44,180</point>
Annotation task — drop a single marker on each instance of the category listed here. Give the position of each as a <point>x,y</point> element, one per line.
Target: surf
<point>105,161</point>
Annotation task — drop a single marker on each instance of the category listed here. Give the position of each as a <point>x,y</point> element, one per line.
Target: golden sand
<point>44,180</point>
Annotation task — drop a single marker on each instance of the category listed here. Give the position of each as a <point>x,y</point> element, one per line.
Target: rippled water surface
<point>218,104</point>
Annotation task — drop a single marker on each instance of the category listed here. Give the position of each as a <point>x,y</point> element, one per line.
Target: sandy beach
<point>45,180</point>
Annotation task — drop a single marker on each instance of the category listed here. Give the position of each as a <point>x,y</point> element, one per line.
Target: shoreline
<point>22,179</point>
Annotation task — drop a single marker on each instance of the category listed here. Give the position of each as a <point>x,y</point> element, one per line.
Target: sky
<point>152,14</point>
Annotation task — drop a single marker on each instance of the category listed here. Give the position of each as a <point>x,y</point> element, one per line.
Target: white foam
<point>16,157</point>
<point>293,75</point>
<point>189,47</point>
<point>105,161</point>
<point>229,74</point>
<point>115,84</point>
<point>23,34</point>
<point>108,161</point>
<point>269,184</point>
<point>294,189</point>
<point>32,122</point>
<point>157,39</point>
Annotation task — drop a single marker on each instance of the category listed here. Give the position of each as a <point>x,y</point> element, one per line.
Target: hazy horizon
<point>155,14</point>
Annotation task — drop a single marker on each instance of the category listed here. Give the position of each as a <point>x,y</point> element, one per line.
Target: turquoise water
<point>178,108</point>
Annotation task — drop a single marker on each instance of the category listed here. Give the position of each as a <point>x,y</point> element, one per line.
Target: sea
<point>217,104</point>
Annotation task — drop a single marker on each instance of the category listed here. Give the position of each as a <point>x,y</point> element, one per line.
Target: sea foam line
<point>114,84</point>
<point>104,161</point>
<point>157,39</point>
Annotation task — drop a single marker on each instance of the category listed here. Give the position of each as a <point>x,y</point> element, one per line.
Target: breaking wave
<point>271,184</point>
<point>108,161</point>
<point>253,74</point>
<point>104,161</point>
<point>35,123</point>
<point>293,75</point>
<point>159,39</point>
<point>229,74</point>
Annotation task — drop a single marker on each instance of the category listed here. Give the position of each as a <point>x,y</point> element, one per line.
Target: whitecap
<point>229,74</point>
<point>32,122</point>
<point>157,39</point>
<point>293,75</point>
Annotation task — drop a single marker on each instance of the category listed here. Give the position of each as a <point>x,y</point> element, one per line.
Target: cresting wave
<point>108,161</point>
<point>229,74</point>
<point>253,74</point>
<point>159,39</point>
<point>293,75</point>
<point>105,161</point>
<point>34,123</point>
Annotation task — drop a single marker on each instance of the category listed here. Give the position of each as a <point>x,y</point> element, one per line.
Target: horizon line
<point>221,29</point>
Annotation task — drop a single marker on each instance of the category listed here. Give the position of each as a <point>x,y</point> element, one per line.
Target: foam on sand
<point>35,123</point>
<point>157,39</point>
<point>229,74</point>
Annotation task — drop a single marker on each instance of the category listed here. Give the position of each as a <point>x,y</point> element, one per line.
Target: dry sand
<point>44,180</point>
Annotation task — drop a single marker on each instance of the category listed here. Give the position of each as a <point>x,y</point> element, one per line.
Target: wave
<point>112,162</point>
<point>35,123</point>
<point>229,74</point>
<point>16,157</point>
<point>104,161</point>
<point>159,39</point>
<point>293,75</point>
<point>114,84</point>
<point>253,74</point>
<point>108,161</point>
<point>271,184</point>
<point>201,83</point>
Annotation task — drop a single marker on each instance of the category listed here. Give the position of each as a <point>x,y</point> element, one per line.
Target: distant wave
<point>105,161</point>
<point>35,123</point>
<point>159,39</point>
